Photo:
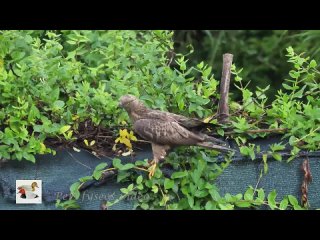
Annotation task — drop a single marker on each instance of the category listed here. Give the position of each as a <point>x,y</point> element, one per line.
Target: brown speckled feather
<point>165,130</point>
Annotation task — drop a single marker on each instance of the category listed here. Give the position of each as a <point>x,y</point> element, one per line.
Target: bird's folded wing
<point>186,122</point>
<point>165,132</point>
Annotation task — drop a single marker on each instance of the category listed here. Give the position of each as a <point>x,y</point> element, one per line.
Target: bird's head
<point>129,102</point>
<point>34,185</point>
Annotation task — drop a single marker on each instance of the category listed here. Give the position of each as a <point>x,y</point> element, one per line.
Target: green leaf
<point>130,187</point>
<point>220,131</point>
<point>124,190</point>
<point>249,194</point>
<point>248,151</point>
<point>201,193</point>
<point>71,42</point>
<point>284,204</point>
<point>214,194</point>
<point>238,196</point>
<point>168,183</point>
<point>64,129</point>
<point>293,200</point>
<point>299,94</point>
<point>277,147</point>
<point>313,63</point>
<point>243,204</point>
<point>85,179</point>
<point>238,78</point>
<point>116,162</point>
<point>290,50</point>
<point>58,104</point>
<point>179,174</point>
<point>196,176</point>
<point>144,206</point>
<point>140,186</point>
<point>97,174</point>
<point>122,175</point>
<point>228,197</point>
<point>34,113</point>
<point>287,87</point>
<point>206,72</point>
<point>292,140</point>
<point>272,199</point>
<point>261,194</point>
<point>294,74</point>
<point>154,188</point>
<point>210,206</point>
<point>190,201</point>
<point>126,166</point>
<point>139,179</point>
<point>200,65</point>
<point>183,66</point>
<point>74,190</point>
<point>226,206</point>
<point>277,156</point>
<point>29,157</point>
<point>101,166</point>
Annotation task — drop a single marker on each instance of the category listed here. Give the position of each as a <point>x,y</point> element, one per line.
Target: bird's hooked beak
<point>124,102</point>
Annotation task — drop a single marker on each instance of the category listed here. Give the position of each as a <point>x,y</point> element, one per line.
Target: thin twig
<point>260,131</point>
<point>172,55</point>
<point>143,141</point>
<point>78,160</point>
<point>259,179</point>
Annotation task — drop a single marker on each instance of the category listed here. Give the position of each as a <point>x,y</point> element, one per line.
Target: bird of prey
<point>166,130</point>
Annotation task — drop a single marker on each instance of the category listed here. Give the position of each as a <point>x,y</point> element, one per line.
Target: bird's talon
<point>152,170</point>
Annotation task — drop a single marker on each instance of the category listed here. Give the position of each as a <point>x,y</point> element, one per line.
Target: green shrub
<point>51,80</point>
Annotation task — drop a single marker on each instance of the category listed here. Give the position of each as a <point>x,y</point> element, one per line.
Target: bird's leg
<point>159,153</point>
<point>152,168</point>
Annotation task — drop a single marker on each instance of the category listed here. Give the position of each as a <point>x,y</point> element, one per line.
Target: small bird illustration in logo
<point>27,191</point>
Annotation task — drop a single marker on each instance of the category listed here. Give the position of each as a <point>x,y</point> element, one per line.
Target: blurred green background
<point>260,52</point>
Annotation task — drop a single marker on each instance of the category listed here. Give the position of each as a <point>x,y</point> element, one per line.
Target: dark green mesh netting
<point>59,172</point>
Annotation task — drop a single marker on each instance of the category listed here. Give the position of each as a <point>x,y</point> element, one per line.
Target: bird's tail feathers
<point>215,140</point>
<point>215,147</point>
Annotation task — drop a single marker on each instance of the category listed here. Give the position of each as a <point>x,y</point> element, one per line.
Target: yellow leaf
<point>64,129</point>
<point>117,140</point>
<point>123,122</point>
<point>133,138</point>
<point>127,142</point>
<point>86,142</point>
<point>92,142</point>
<point>42,148</point>
<point>124,133</point>
<point>69,135</point>
<point>208,119</point>
<point>75,117</point>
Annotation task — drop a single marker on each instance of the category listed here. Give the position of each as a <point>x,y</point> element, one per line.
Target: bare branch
<point>223,111</point>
